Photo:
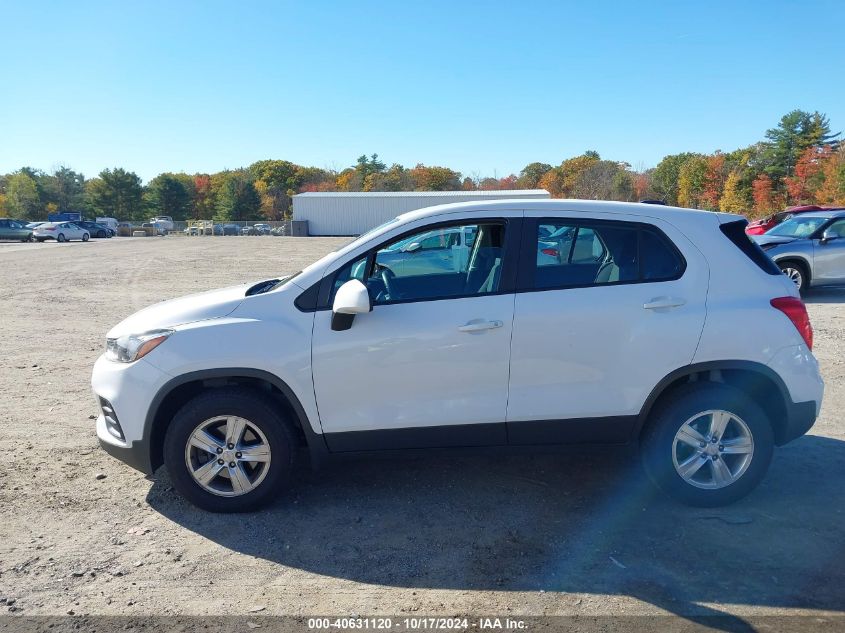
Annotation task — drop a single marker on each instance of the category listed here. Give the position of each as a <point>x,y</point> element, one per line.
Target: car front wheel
<point>707,445</point>
<point>85,237</point>
<point>229,450</point>
<point>61,238</point>
<point>796,272</point>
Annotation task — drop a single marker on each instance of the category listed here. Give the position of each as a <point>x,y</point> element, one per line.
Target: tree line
<point>800,161</point>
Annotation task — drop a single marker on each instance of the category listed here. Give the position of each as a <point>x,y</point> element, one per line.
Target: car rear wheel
<point>229,450</point>
<point>797,272</point>
<point>707,445</point>
<point>61,238</point>
<point>85,237</point>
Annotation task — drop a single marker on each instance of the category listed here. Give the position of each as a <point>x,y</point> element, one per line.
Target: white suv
<point>661,326</point>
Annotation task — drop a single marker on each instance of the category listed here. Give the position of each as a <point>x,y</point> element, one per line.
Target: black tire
<point>85,237</point>
<point>792,264</point>
<point>657,444</point>
<point>61,237</point>
<point>252,405</point>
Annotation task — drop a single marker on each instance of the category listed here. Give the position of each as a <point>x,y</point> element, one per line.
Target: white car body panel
<point>591,352</point>
<point>555,354</point>
<point>408,365</point>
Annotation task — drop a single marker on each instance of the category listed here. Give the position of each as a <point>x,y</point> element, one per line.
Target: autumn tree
<point>691,179</point>
<point>832,190</point>
<point>763,195</point>
<point>809,175</point>
<point>733,200</point>
<point>435,178</point>
<point>529,177</point>
<point>203,207</point>
<point>664,177</point>
<point>595,181</point>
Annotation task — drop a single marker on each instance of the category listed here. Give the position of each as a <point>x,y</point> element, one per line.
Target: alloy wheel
<point>227,456</point>
<point>794,274</point>
<point>712,449</point>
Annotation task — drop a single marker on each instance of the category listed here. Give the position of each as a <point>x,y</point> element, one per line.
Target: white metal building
<point>342,213</point>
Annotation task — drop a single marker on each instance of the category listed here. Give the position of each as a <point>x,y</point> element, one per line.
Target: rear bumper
<point>800,417</point>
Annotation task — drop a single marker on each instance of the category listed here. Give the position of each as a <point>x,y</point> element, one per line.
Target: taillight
<point>50,228</point>
<point>551,252</point>
<point>797,313</point>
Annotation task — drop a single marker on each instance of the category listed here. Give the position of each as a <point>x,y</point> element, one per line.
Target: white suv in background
<point>659,326</point>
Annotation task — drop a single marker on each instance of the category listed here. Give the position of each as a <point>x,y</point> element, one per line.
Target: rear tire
<point>61,238</point>
<point>711,473</point>
<point>209,414</point>
<point>85,237</point>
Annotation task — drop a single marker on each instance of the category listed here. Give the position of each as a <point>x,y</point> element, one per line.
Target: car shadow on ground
<point>833,294</point>
<point>586,522</point>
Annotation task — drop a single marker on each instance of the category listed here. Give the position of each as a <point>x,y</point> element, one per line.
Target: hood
<point>772,239</point>
<point>213,304</point>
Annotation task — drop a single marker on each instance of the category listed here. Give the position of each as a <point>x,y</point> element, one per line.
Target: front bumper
<point>129,389</point>
<point>135,454</point>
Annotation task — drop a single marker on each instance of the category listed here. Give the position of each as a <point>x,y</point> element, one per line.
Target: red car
<point>761,226</point>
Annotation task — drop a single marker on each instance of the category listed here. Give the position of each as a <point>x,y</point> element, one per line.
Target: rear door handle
<point>663,302</point>
<point>477,326</point>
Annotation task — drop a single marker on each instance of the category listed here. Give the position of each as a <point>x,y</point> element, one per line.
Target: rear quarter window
<point>735,232</point>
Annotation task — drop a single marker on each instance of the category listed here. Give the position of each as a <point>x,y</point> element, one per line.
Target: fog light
<point>112,424</point>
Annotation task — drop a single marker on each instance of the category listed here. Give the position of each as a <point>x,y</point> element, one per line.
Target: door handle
<point>477,326</point>
<point>663,302</point>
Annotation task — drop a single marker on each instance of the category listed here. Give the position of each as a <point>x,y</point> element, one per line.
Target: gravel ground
<point>577,533</point>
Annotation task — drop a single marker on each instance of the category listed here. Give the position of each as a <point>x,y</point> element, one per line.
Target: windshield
<point>801,226</point>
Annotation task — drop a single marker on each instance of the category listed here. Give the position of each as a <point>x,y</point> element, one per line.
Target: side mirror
<point>413,247</point>
<point>352,298</point>
<point>828,236</point>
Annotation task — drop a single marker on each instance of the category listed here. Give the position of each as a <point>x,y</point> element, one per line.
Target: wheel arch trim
<point>315,441</point>
<point>708,366</point>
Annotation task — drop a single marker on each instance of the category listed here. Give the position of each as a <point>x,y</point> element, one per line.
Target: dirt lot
<point>551,534</point>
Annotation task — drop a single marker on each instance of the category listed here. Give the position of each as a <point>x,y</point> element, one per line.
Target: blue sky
<point>483,87</point>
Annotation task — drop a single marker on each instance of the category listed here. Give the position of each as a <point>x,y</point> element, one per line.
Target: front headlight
<point>130,347</point>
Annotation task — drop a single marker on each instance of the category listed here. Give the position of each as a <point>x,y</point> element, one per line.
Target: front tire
<point>61,238</point>
<point>707,445</point>
<point>85,237</point>
<point>797,272</point>
<point>229,450</point>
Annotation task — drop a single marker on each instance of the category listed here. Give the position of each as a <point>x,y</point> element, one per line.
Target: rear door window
<point>571,253</point>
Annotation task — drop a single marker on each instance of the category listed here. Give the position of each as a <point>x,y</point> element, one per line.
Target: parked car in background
<point>278,231</point>
<point>157,228</point>
<point>61,232</point>
<point>761,226</point>
<point>112,223</point>
<point>95,229</point>
<point>164,222</point>
<point>227,229</point>
<point>809,248</point>
<point>14,230</point>
<point>256,229</point>
<point>684,341</point>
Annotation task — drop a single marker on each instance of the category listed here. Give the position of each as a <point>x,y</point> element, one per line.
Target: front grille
<point>112,423</point>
